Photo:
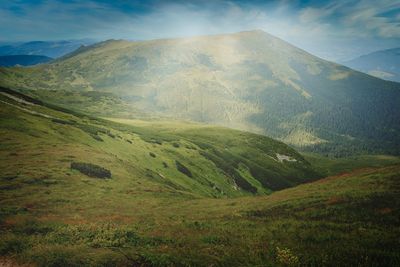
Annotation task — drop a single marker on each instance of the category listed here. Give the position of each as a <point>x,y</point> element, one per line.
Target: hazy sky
<point>334,30</point>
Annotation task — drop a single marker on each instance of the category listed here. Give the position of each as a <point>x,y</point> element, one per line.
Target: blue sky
<point>334,30</point>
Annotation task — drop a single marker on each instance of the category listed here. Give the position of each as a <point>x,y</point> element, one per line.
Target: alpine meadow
<point>199,133</point>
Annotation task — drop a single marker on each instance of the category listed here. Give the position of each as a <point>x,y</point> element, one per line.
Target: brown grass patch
<point>334,200</point>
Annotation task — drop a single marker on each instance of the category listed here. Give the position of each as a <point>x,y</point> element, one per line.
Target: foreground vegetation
<point>181,194</point>
<point>348,220</point>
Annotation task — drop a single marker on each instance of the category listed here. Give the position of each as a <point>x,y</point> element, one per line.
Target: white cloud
<point>329,30</point>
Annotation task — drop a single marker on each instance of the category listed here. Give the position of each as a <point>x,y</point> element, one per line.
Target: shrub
<point>63,122</point>
<point>12,245</point>
<point>175,144</point>
<point>152,154</point>
<point>191,147</point>
<point>58,256</point>
<point>94,235</point>
<point>111,135</point>
<point>31,227</point>
<point>182,168</point>
<point>91,170</point>
<point>96,137</point>
<point>286,257</point>
<point>165,164</point>
<point>93,131</point>
<point>154,141</point>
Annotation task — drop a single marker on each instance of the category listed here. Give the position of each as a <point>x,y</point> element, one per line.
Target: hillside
<point>149,214</point>
<point>192,159</point>
<point>23,60</point>
<point>384,64</point>
<point>250,81</point>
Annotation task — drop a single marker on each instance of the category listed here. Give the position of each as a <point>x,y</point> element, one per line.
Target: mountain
<point>249,81</point>
<point>82,191</point>
<point>23,60</point>
<point>52,49</point>
<point>384,64</point>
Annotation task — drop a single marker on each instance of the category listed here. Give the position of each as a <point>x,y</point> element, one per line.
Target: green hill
<point>194,159</point>
<point>76,190</point>
<point>249,80</point>
<point>81,191</point>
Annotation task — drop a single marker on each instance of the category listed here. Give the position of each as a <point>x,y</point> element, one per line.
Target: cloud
<point>321,27</point>
<point>313,14</point>
<point>364,18</point>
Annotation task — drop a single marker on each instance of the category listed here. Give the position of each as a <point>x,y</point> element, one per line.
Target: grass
<point>339,221</point>
<point>331,166</point>
<point>152,214</point>
<point>57,137</point>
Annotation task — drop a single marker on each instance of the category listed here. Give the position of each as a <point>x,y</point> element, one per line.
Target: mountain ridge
<point>249,80</point>
<point>382,64</point>
<point>23,60</point>
<point>53,49</point>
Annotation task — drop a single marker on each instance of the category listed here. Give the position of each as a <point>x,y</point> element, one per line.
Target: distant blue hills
<point>384,64</point>
<point>23,60</point>
<point>52,49</point>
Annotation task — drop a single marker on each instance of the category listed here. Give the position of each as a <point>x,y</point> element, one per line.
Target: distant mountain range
<point>384,64</point>
<point>249,80</point>
<point>23,60</point>
<point>52,49</point>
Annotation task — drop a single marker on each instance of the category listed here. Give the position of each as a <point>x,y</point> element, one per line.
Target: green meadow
<point>78,190</point>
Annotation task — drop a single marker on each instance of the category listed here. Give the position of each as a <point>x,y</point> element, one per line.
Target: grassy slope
<point>327,166</point>
<point>92,102</point>
<point>52,215</point>
<point>346,220</point>
<point>145,152</point>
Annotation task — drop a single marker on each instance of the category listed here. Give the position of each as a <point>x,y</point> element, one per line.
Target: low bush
<point>182,168</point>
<point>65,122</point>
<point>286,257</point>
<point>175,144</point>
<point>58,256</point>
<point>154,141</point>
<point>12,245</point>
<point>96,137</point>
<point>31,227</point>
<point>91,170</point>
<point>92,129</point>
<point>111,135</point>
<point>152,154</point>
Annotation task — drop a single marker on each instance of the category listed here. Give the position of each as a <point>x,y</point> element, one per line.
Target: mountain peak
<point>249,80</point>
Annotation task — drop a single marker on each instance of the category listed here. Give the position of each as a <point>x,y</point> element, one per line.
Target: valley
<point>220,150</point>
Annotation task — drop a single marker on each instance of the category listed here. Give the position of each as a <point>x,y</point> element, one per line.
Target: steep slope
<point>249,80</point>
<point>384,64</point>
<point>23,60</point>
<point>43,143</point>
